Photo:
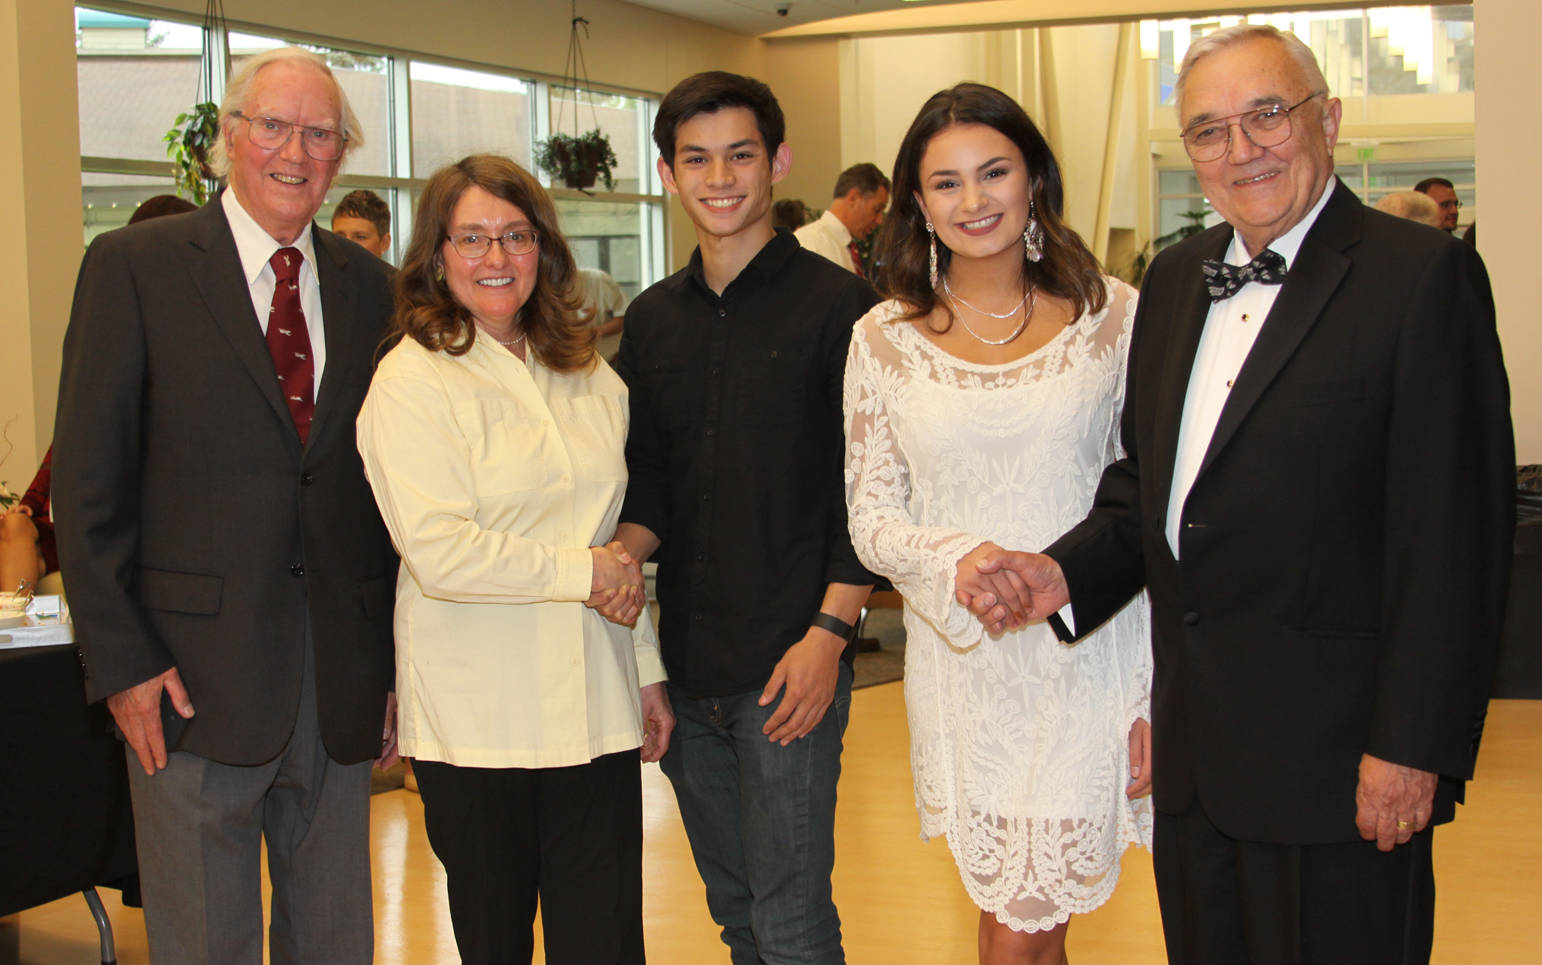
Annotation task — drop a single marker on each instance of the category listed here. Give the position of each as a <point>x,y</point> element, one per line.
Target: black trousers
<point>570,837</point>
<point>1229,902</point>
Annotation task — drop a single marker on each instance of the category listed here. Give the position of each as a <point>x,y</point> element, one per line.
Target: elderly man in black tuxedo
<point>1318,495</point>
<point>221,546</point>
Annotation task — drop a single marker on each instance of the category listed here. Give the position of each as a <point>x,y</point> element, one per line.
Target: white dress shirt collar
<point>836,227</point>
<point>254,245</point>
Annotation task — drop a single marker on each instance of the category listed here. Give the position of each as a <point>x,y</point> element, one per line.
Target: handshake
<point>1007,589</point>
<point>616,589</point>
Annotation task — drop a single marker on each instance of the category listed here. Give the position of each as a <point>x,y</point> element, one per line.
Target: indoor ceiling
<point>764,16</point>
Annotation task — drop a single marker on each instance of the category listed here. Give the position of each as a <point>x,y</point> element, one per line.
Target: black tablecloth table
<point>66,824</point>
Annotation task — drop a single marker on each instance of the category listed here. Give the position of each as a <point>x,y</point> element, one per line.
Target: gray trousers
<point>200,825</point>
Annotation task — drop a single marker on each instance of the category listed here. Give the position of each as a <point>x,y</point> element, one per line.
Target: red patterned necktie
<point>289,342</point>
<point>856,259</point>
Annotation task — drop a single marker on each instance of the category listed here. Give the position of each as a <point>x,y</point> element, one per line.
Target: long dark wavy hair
<point>427,312</point>
<point>1068,270</point>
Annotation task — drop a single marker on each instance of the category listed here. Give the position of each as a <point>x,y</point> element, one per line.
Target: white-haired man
<point>223,547</point>
<point>1318,495</point>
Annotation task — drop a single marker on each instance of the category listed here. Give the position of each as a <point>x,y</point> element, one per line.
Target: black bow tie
<point>1223,281</point>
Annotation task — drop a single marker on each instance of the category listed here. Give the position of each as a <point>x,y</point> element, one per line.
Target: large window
<point>137,74</point>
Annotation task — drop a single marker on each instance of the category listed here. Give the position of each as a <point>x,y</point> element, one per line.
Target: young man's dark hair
<point>1423,187</point>
<point>865,177</point>
<point>367,205</point>
<point>709,92</point>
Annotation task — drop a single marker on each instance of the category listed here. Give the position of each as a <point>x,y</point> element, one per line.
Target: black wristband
<point>835,625</point>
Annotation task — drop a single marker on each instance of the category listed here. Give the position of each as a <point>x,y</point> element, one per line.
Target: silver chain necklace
<point>1006,314</point>
<point>1030,298</point>
<point>511,342</point>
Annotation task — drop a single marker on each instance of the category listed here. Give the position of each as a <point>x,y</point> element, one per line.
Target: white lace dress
<point>1018,744</point>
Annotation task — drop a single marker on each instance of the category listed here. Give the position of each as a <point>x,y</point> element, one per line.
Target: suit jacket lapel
<point>1190,311</point>
<point>221,282</point>
<point>1319,267</point>
<point>339,318</point>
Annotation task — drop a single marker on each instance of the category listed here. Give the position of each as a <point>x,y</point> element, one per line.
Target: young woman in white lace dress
<point>982,403</point>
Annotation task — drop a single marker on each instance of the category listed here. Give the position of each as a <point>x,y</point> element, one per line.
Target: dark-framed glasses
<point>475,244</point>
<point>1265,127</point>
<point>270,134</point>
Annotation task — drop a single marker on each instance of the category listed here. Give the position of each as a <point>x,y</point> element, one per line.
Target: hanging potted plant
<point>579,160</point>
<point>188,144</point>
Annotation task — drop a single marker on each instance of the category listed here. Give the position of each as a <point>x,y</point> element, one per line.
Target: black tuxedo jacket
<point>194,529</point>
<point>1345,547</point>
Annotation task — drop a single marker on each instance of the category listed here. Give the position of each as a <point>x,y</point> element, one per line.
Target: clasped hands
<point>1008,589</point>
<point>616,589</point>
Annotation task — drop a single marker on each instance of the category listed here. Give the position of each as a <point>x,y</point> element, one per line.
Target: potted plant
<point>188,144</point>
<point>579,160</point>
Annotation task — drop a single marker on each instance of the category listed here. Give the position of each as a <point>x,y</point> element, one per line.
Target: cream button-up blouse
<point>494,479</point>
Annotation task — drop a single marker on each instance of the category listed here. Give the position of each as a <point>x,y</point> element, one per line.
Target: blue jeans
<point>761,821</point>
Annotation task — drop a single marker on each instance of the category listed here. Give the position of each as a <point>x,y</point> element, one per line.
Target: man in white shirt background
<point>861,195</point>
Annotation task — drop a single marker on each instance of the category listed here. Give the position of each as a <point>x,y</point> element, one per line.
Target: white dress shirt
<point>1231,328</point>
<point>495,478</point>
<point>828,236</point>
<point>255,247</point>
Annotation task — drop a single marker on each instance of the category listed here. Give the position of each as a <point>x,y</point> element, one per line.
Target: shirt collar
<point>766,264</point>
<point>255,246</point>
<point>1288,244</point>
<point>835,226</point>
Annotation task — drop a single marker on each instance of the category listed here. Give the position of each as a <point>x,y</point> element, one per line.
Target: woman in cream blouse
<point>527,674</point>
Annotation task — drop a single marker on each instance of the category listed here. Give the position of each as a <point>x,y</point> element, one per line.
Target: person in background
<point>602,304</point>
<point>861,195</point>
<point>981,403</point>
<point>160,206</point>
<point>1413,206</point>
<point>1443,193</point>
<point>735,365</point>
<point>27,548</point>
<point>221,545</point>
<point>364,218</point>
<point>1318,493</point>
<point>529,674</point>
<point>789,213</point>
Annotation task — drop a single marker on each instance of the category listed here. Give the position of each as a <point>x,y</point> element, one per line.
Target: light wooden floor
<point>900,898</point>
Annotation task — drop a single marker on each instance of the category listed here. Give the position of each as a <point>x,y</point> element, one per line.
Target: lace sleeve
<point>1135,660</point>
<point>919,560</point>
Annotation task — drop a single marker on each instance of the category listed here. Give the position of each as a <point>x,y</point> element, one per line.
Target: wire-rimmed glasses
<point>1265,126</point>
<point>270,134</point>
<point>474,244</point>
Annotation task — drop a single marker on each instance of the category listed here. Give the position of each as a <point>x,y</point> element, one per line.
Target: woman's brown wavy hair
<point>429,314</point>
<point>1068,270</point>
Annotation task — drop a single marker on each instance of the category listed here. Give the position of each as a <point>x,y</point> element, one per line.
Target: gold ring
<point>1404,825</point>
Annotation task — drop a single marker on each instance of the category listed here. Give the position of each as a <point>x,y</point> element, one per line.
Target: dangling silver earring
<point>932,234</point>
<point>1033,236</point>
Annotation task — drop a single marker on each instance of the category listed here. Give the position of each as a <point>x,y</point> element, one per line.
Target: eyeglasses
<point>473,245</point>
<point>1265,127</point>
<point>1452,205</point>
<point>270,134</point>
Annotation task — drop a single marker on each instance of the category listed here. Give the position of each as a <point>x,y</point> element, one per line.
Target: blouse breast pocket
<point>594,430</point>
<point>506,447</point>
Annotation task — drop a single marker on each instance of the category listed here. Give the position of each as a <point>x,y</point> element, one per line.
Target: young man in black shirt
<point>735,455</point>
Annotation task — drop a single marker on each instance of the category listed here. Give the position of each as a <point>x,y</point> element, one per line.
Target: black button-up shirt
<point>736,457</point>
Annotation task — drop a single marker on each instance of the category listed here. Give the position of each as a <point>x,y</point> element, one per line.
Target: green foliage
<point>1136,272</point>
<point>577,160</point>
<point>187,144</point>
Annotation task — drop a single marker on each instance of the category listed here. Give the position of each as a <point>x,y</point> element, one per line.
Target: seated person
<point>27,536</point>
